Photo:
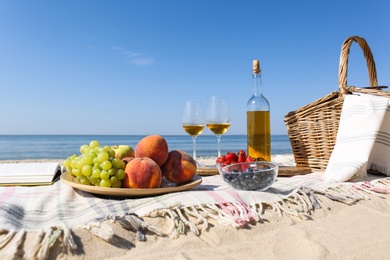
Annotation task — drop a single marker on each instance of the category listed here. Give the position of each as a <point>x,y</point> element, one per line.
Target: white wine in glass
<point>193,122</point>
<point>218,118</point>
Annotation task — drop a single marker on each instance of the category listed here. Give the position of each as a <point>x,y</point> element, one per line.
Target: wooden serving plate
<point>166,187</point>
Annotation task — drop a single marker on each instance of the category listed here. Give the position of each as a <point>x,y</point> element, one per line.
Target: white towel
<point>363,138</point>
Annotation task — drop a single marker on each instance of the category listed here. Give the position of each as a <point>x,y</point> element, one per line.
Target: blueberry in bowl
<point>251,176</point>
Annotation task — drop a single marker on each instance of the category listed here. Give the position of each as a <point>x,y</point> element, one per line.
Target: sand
<point>359,231</point>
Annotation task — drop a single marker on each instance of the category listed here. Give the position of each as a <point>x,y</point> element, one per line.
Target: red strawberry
<point>221,159</point>
<point>243,167</point>
<point>232,157</point>
<point>241,156</point>
<point>249,159</point>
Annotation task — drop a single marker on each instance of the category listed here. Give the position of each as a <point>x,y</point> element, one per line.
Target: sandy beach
<point>359,231</point>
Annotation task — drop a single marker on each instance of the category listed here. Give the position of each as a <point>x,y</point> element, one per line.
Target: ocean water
<point>20,147</point>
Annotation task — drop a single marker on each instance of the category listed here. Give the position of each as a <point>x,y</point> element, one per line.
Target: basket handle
<point>343,67</point>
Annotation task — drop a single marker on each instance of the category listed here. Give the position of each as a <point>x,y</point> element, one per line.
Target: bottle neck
<point>257,84</point>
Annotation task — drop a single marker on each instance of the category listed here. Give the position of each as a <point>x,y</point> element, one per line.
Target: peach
<point>142,173</point>
<point>153,146</point>
<point>180,167</point>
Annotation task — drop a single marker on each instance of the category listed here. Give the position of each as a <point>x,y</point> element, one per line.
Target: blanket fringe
<point>382,182</point>
<point>43,251</point>
<point>14,240</point>
<point>276,210</point>
<point>9,234</point>
<point>130,221</point>
<point>67,239</point>
<point>374,188</point>
<point>300,204</point>
<point>178,219</point>
<point>200,219</point>
<point>100,230</point>
<point>39,247</point>
<point>194,219</point>
<point>258,212</point>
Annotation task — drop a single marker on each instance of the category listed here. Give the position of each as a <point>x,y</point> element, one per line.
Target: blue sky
<point>127,67</point>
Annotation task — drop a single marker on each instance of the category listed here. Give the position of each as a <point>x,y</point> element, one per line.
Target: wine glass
<point>193,122</point>
<point>218,118</point>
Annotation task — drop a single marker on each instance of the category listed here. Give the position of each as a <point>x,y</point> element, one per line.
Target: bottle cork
<point>256,66</point>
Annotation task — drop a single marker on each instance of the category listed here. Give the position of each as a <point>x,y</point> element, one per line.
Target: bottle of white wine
<point>258,119</point>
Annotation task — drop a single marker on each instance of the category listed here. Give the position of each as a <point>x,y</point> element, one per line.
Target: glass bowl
<point>251,176</point>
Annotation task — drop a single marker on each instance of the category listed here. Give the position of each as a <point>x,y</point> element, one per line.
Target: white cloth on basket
<point>363,138</point>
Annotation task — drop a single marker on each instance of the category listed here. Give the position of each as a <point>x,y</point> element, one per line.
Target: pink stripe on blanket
<point>229,208</point>
<point>30,192</point>
<point>238,198</point>
<point>368,186</point>
<point>7,192</point>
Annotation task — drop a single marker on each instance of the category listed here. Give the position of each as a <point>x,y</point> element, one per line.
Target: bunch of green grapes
<point>97,166</point>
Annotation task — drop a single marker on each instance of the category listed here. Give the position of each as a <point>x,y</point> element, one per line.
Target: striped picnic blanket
<point>53,211</point>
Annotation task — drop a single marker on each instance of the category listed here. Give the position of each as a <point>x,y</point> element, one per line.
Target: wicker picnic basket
<point>312,129</point>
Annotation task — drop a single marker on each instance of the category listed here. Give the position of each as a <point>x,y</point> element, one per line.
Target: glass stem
<point>219,145</point>
<point>194,147</point>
